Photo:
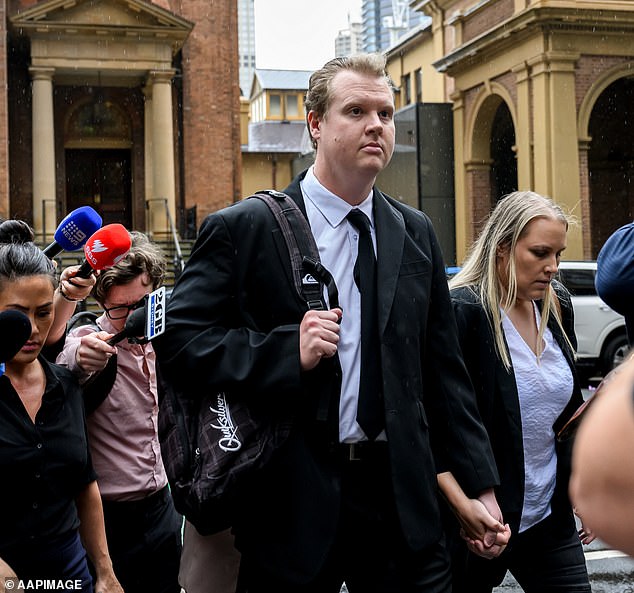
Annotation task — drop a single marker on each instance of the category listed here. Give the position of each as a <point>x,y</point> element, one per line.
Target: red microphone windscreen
<point>107,246</point>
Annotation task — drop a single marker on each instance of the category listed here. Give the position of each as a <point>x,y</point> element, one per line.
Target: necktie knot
<point>359,221</point>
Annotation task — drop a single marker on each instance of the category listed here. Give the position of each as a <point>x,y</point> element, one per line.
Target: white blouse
<point>544,387</point>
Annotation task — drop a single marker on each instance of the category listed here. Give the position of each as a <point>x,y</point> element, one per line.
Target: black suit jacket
<point>233,322</point>
<point>498,401</point>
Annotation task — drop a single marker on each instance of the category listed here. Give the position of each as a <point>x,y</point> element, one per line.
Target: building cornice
<point>580,16</point>
<point>145,21</point>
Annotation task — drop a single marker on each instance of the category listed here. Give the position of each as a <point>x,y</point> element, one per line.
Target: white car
<point>601,335</point>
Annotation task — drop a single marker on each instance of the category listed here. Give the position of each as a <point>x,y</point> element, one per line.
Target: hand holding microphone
<point>143,324</point>
<point>73,231</point>
<point>96,349</point>
<point>105,248</point>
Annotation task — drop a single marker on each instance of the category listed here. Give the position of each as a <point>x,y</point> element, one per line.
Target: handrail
<point>44,202</point>
<point>179,261</point>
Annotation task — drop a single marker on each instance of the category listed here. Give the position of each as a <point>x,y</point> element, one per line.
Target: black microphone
<point>15,329</point>
<point>134,327</point>
<point>74,230</point>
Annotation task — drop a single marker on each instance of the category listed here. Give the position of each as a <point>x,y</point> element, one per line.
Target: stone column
<point>556,157</point>
<point>162,138</point>
<point>462,198</point>
<point>523,132</point>
<point>44,195</point>
<point>148,154</point>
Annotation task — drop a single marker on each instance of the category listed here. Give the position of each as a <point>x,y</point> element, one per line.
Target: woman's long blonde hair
<point>505,226</point>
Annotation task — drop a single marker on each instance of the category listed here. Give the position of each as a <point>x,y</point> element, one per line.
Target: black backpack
<point>211,445</point>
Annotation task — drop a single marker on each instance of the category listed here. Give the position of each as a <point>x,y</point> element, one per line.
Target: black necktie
<point>370,412</point>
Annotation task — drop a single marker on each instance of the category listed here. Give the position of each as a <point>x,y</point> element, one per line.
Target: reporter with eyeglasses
<point>142,526</point>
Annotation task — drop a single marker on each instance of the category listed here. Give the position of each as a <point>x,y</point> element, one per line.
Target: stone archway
<point>611,160</point>
<point>492,152</point>
<point>504,161</point>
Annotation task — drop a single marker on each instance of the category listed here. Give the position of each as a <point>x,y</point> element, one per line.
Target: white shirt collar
<point>333,208</point>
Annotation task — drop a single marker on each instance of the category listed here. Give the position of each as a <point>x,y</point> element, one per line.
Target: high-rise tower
<point>246,44</point>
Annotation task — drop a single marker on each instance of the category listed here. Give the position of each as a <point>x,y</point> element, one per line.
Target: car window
<point>578,282</point>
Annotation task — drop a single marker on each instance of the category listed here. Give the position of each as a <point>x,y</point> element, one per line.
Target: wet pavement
<point>610,572</point>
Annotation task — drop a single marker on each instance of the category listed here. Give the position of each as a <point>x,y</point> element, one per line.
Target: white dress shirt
<point>337,241</point>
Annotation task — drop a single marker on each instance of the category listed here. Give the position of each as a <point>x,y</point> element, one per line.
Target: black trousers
<point>144,539</point>
<point>369,553</point>
<point>546,558</point>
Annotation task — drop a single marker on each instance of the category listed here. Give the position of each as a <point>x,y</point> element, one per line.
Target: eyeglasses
<point>122,311</point>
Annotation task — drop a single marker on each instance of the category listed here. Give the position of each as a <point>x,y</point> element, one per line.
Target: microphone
<point>134,327</point>
<point>73,231</point>
<point>145,323</point>
<point>105,248</point>
<point>15,329</point>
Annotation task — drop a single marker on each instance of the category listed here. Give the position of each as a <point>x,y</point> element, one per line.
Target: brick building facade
<point>127,106</point>
<point>543,99</point>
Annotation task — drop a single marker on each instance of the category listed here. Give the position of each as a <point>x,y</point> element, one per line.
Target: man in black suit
<point>353,498</point>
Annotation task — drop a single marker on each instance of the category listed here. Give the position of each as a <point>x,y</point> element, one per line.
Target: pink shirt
<point>123,430</point>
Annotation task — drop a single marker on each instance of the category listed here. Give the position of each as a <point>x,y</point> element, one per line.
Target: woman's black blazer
<point>498,400</point>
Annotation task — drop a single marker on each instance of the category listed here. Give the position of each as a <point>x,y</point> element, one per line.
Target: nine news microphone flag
<point>105,248</point>
<point>15,329</point>
<point>73,231</point>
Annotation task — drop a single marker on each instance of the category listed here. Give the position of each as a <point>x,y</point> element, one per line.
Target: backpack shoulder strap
<point>309,275</point>
<point>301,245</point>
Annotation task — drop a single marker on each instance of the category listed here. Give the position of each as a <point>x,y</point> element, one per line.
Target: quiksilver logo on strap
<point>309,279</point>
<point>229,440</point>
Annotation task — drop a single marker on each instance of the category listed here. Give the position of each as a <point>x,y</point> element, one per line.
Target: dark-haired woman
<point>70,289</point>
<point>50,508</point>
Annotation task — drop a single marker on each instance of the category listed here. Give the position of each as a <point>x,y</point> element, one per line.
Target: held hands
<point>480,518</point>
<point>94,351</point>
<point>481,525</point>
<point>318,336</point>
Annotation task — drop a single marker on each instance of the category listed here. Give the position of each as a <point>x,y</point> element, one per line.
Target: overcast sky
<point>299,34</point>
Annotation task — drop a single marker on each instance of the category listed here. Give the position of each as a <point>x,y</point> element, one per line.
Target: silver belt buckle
<point>353,452</point>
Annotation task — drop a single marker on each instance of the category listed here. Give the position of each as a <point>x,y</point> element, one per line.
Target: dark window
<point>406,84</point>
<point>419,85</point>
<point>578,282</point>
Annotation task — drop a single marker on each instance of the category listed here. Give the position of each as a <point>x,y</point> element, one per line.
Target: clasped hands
<point>480,518</point>
<point>481,525</point>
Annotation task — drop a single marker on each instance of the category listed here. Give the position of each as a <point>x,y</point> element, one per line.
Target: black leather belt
<point>362,451</point>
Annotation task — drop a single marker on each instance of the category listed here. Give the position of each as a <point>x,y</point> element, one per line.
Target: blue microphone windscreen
<point>77,227</point>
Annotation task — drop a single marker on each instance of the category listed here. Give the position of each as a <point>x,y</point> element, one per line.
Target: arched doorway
<point>504,162</point>
<point>492,166</point>
<point>611,161</point>
<point>98,160</point>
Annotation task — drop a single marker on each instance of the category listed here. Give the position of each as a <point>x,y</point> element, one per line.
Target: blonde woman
<point>516,334</point>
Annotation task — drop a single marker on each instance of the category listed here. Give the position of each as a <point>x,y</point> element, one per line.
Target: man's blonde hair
<point>319,95</point>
